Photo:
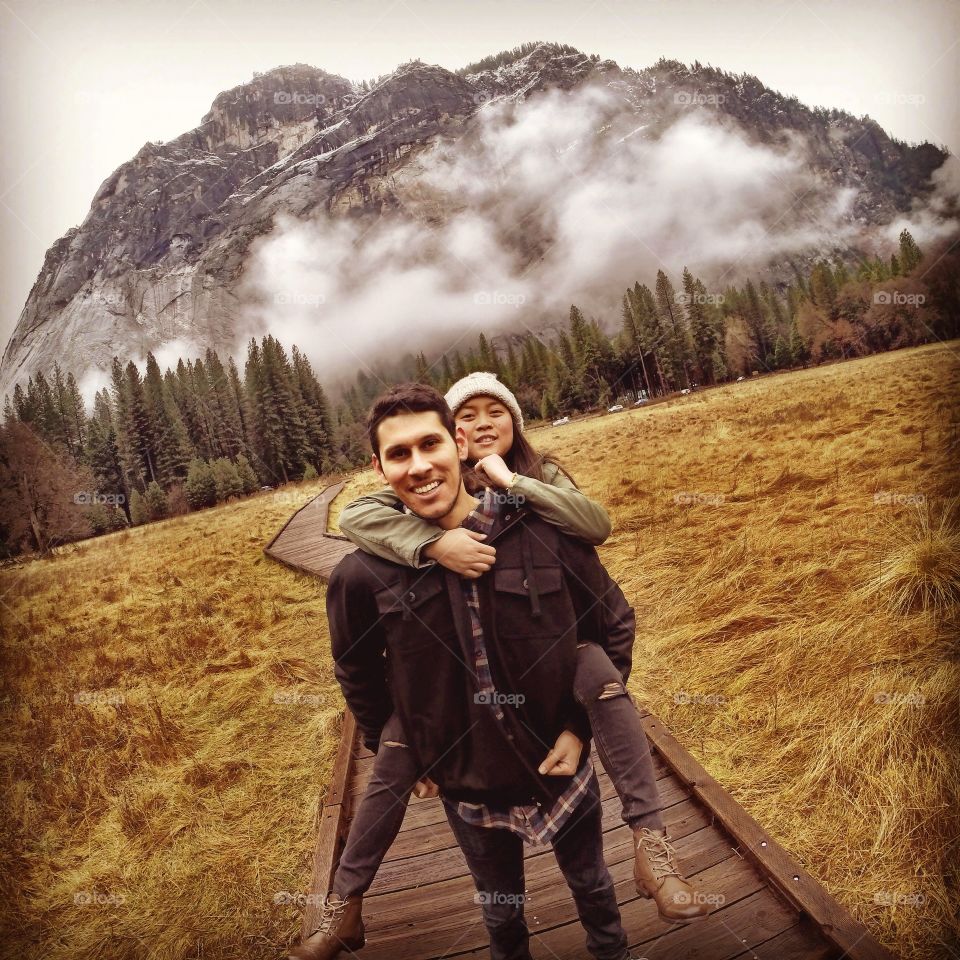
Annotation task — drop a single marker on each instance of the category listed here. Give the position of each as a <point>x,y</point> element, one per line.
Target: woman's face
<point>488,427</point>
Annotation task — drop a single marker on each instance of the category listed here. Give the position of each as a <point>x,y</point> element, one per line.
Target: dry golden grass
<point>172,715</point>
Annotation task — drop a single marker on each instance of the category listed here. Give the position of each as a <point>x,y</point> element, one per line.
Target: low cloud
<point>562,198</point>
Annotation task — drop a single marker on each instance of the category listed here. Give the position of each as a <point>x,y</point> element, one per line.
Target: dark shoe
<point>340,928</point>
<point>657,877</point>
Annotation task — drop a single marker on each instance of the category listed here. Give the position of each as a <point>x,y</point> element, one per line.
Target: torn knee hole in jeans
<point>394,743</point>
<point>611,690</point>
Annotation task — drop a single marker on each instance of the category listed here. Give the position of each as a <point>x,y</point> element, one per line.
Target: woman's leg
<point>625,755</point>
<point>621,742</point>
<point>379,816</point>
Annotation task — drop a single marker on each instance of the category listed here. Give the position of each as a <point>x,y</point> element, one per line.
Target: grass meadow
<point>791,545</point>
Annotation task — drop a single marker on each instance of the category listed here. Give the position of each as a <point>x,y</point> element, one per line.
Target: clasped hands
<point>462,550</point>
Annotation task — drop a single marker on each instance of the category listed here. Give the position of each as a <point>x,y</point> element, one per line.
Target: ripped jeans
<point>621,744</point>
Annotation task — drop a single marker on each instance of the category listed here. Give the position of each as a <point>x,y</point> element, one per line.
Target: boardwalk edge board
<point>791,880</point>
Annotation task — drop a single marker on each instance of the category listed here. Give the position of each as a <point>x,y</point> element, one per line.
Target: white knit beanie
<point>483,384</point>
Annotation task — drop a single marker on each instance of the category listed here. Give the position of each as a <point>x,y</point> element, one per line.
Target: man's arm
<point>621,624</point>
<point>603,614</point>
<point>358,643</point>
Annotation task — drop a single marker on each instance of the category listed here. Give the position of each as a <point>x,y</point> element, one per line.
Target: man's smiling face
<point>421,462</point>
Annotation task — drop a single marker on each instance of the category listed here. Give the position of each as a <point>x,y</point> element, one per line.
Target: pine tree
<point>101,453</point>
<point>758,327</point>
<point>127,439</point>
<point>23,407</point>
<point>459,366</point>
<point>248,479</point>
<point>702,326</point>
<point>209,446</point>
<point>650,334</point>
<point>315,411</point>
<point>143,429</point>
<point>422,374</point>
<point>119,424</point>
<point>677,354</point>
<point>487,358</point>
<point>226,479</point>
<point>183,391</point>
<point>910,255</point>
<point>781,354</point>
<point>630,335</point>
<point>172,449</point>
<point>156,502</point>
<point>68,425</point>
<point>799,351</point>
<point>224,404</point>
<point>277,409</point>
<point>200,487</point>
<point>139,511</point>
<point>823,286</point>
<point>511,368</point>
<point>446,376</point>
<point>44,418</point>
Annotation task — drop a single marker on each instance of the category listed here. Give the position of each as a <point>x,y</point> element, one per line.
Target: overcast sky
<point>85,83</point>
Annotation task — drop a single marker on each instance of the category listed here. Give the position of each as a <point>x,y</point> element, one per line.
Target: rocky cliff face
<point>161,253</point>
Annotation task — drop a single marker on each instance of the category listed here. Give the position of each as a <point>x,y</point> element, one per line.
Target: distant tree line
<point>160,444</point>
<point>671,338</point>
<point>157,443</point>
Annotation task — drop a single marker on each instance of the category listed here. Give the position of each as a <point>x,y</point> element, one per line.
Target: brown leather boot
<point>656,875</point>
<point>340,928</point>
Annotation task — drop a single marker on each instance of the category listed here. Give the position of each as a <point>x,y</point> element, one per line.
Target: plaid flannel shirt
<point>529,821</point>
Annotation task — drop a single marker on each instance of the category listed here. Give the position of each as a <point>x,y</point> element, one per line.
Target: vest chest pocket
<point>396,598</point>
<point>515,580</point>
<point>417,615</point>
<point>539,590</point>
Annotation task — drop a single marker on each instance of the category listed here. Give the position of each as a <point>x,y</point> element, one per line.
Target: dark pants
<point>618,732</point>
<point>494,856</point>
<point>621,744</point>
<point>380,815</point>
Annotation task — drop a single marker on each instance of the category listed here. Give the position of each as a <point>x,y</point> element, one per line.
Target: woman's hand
<point>564,759</point>
<point>462,551</point>
<point>494,469</point>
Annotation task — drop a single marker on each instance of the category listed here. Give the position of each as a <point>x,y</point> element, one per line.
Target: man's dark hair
<point>407,398</point>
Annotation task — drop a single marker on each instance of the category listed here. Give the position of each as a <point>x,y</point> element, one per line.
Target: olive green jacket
<point>376,524</point>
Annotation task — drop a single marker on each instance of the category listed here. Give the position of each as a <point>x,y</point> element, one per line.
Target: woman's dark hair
<point>523,459</point>
<point>407,398</point>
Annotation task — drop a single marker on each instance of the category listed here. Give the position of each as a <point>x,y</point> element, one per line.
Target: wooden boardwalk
<point>421,906</point>
<point>303,542</point>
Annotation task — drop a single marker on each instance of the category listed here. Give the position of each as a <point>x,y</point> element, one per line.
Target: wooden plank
<point>333,825</point>
<point>303,543</point>
<point>802,941</point>
<point>792,881</point>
